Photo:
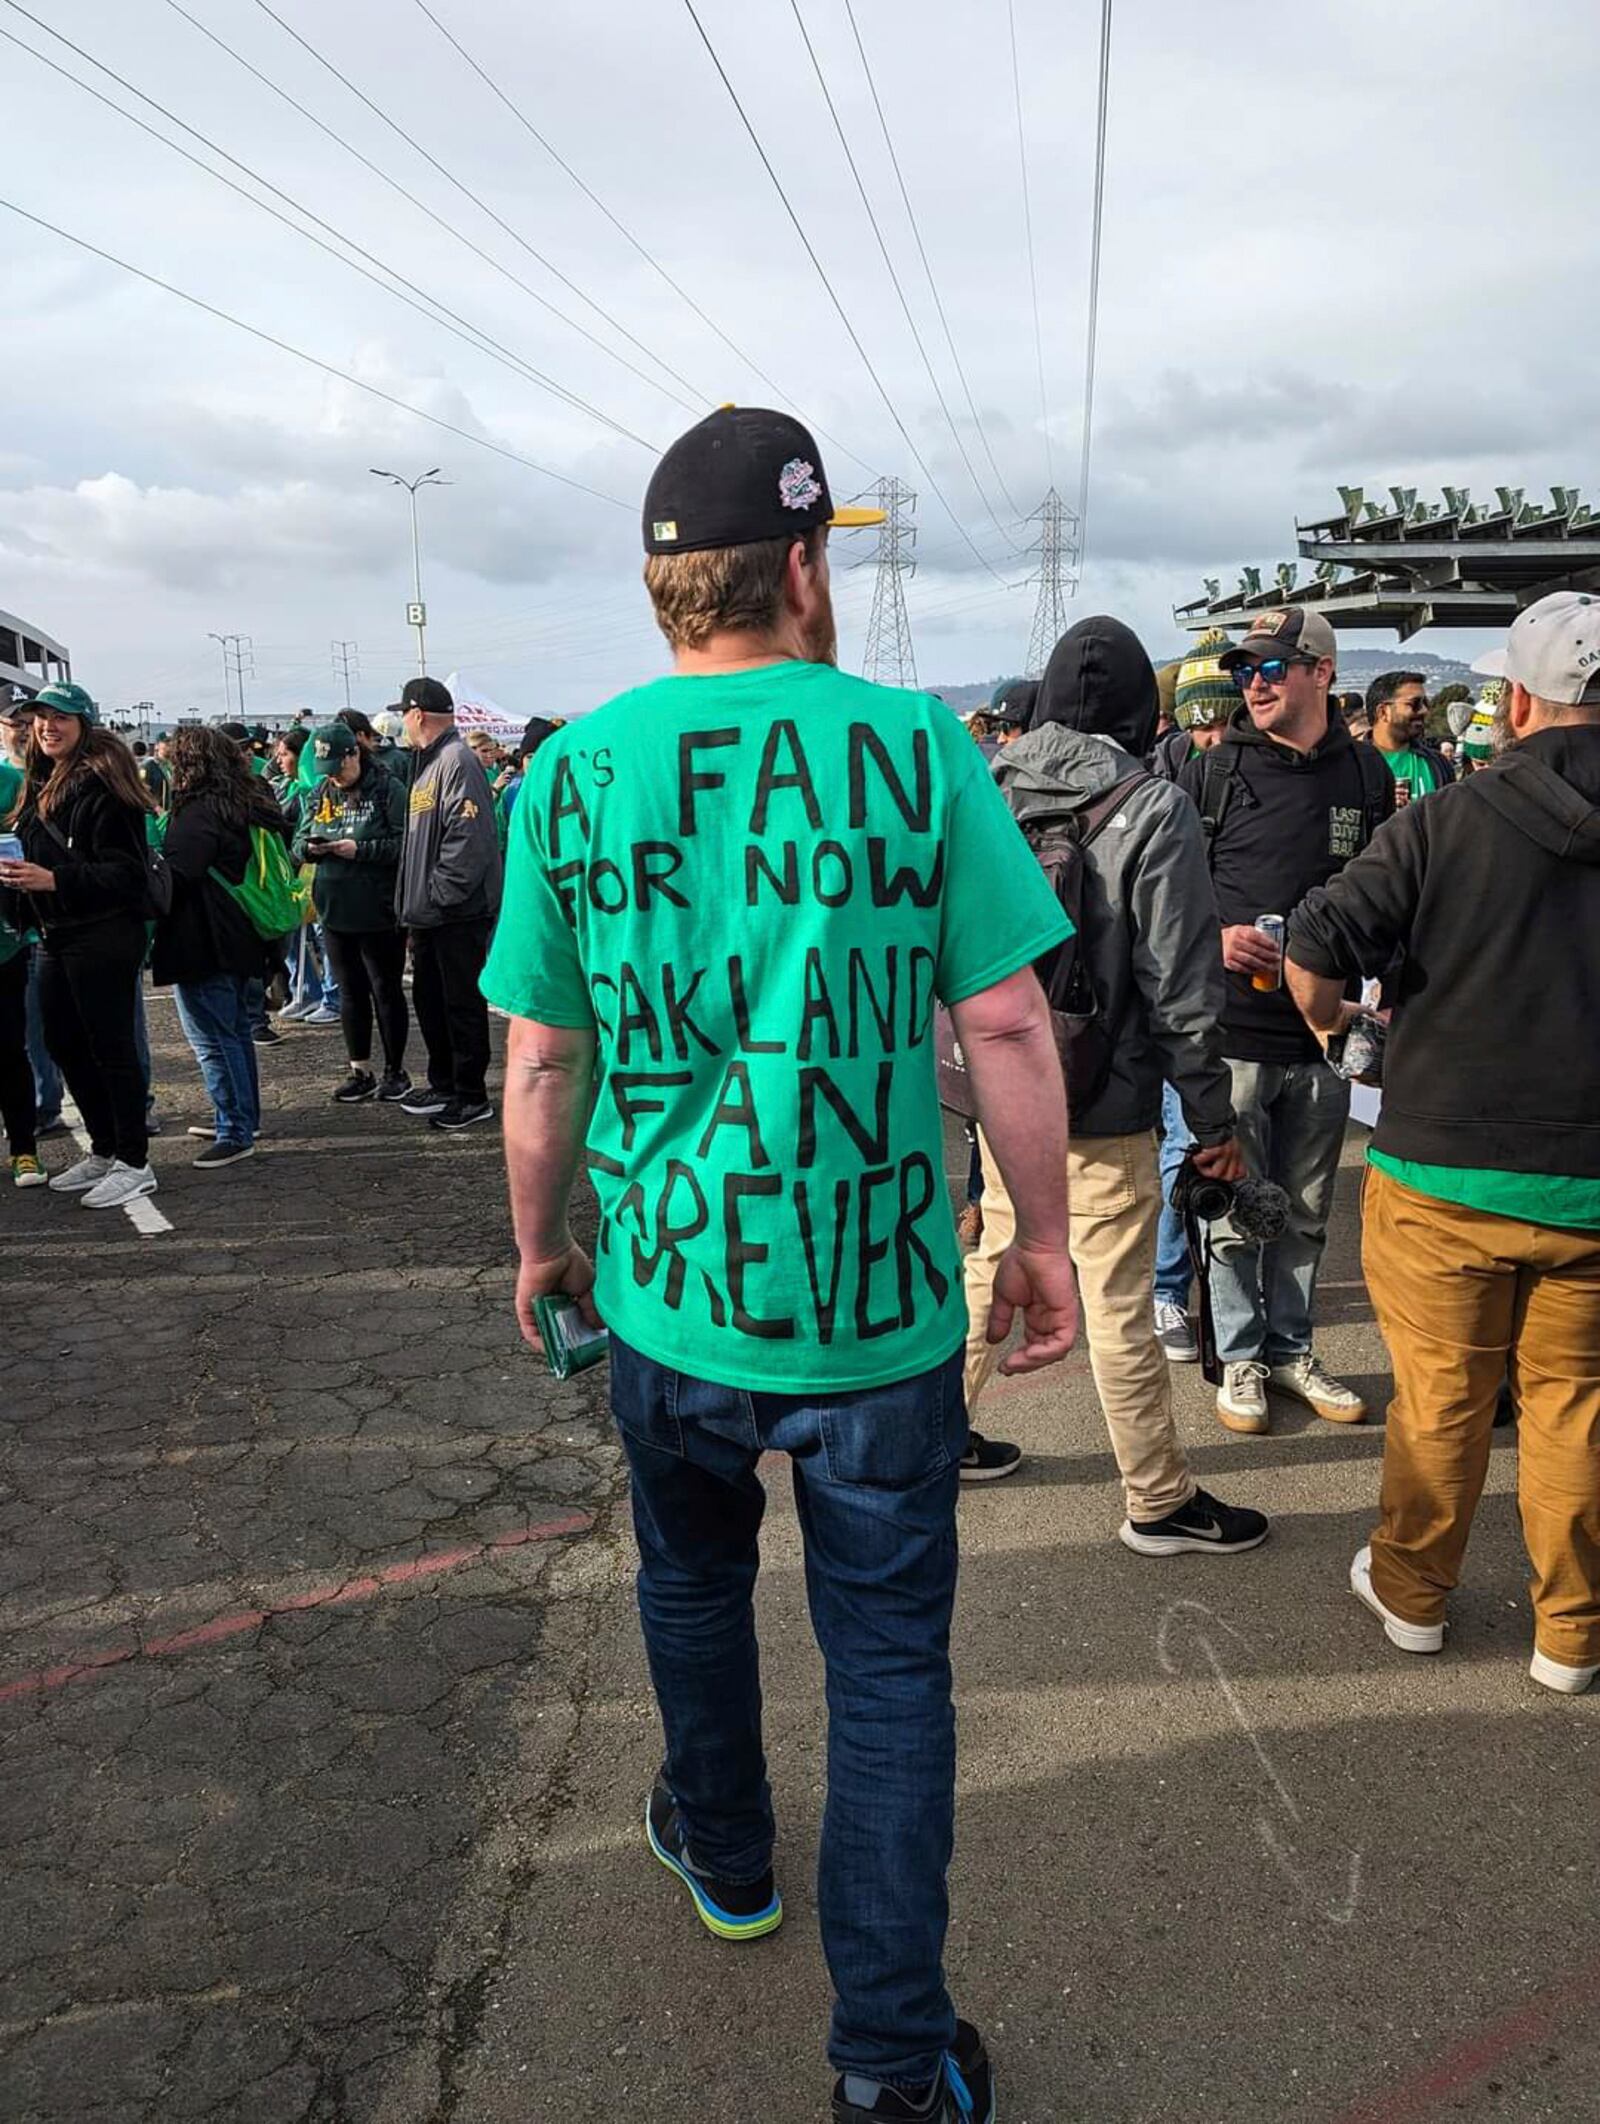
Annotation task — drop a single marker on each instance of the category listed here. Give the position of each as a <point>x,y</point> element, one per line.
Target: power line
<point>1094,272</point>
<point>1057,553</point>
<point>1033,270</point>
<point>410,138</point>
<point>810,251</point>
<point>894,277</point>
<point>472,334</point>
<point>622,229</point>
<point>922,253</point>
<point>325,131</point>
<point>315,361</point>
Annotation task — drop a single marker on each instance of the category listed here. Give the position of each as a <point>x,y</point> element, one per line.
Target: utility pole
<point>1056,575</point>
<point>346,654</point>
<point>890,659</point>
<point>416,611</point>
<point>237,651</point>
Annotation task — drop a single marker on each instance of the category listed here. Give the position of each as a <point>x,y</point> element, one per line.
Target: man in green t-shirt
<point>1481,1214</point>
<point>1397,703</point>
<point>733,898</point>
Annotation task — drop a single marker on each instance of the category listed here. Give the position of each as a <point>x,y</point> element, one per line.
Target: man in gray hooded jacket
<point>1149,935</point>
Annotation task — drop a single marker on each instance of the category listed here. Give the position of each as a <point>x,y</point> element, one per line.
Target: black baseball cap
<point>1011,703</point>
<point>428,695</point>
<point>741,475</point>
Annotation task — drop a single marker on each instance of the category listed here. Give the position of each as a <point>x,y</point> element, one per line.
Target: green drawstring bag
<point>272,893</point>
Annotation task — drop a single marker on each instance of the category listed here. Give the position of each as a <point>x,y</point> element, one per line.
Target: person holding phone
<point>83,881</point>
<point>352,826</point>
<point>206,947</point>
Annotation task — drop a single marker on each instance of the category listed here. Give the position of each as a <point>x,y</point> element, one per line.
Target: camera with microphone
<point>1258,1210</point>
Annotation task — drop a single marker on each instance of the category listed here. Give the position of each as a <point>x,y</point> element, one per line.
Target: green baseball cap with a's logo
<point>65,699</point>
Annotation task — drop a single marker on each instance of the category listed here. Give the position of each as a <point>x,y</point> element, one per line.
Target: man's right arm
<point>1021,1098</point>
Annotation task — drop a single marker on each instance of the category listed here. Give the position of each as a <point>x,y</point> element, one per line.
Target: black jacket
<point>206,931</point>
<point>1492,890</point>
<point>1292,821</point>
<point>355,894</point>
<point>95,845</point>
<point>1171,755</point>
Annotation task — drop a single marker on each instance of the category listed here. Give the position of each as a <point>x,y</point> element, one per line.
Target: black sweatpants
<point>19,1115</point>
<point>453,1017</point>
<point>86,999</point>
<point>369,965</point>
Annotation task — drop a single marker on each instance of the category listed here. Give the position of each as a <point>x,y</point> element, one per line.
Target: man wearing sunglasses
<point>1287,799</point>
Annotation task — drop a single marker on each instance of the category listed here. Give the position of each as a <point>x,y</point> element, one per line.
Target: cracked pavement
<point>348,1831</point>
<point>231,1864</point>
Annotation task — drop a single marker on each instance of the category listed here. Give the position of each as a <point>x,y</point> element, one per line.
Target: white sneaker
<point>123,1183</point>
<point>292,1013</point>
<point>1409,1636</point>
<point>1304,1378</point>
<point>1242,1398</point>
<point>1567,1681</point>
<point>79,1178</point>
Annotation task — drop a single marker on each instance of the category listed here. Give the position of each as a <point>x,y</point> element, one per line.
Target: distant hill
<point>1357,667</point>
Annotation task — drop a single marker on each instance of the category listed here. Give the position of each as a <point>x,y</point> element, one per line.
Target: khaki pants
<point>1456,1291</point>
<point>1115,1191</point>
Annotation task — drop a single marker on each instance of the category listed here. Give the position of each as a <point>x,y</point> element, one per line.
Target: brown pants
<point>1456,1292</point>
<point>1114,1189</point>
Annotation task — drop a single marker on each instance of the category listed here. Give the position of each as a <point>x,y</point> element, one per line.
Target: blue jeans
<point>215,1016</point>
<point>48,1089</point>
<point>141,1040</point>
<point>1174,1270</point>
<point>310,973</point>
<point>1291,1129</point>
<point>875,1481</point>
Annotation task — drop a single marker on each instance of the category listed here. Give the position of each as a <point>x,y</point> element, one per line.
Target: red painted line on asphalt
<point>1461,2068</point>
<point>341,1595</point>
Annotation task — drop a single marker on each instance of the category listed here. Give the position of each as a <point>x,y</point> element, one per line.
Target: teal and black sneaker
<point>962,2094</point>
<point>733,1910</point>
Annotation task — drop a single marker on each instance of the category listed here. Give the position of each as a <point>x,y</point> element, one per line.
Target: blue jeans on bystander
<point>1174,1271</point>
<point>215,1016</point>
<point>1292,1120</point>
<point>875,1481</point>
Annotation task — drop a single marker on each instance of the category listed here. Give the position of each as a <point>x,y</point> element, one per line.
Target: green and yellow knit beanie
<point>1206,693</point>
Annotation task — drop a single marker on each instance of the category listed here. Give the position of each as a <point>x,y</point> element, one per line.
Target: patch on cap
<point>665,529</point>
<point>798,485</point>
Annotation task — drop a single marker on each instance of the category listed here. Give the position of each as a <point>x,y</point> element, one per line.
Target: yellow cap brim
<point>856,519</point>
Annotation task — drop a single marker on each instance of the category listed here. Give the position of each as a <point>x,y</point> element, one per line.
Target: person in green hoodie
<point>352,824</point>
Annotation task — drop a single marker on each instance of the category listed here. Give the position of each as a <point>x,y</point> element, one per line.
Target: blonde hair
<point>725,589</point>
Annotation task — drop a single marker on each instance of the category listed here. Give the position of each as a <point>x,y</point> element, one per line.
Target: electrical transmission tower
<point>1056,575</point>
<point>890,659</point>
<point>346,664</point>
<point>238,657</point>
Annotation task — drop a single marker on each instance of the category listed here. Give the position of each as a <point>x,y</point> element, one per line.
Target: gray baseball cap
<point>1294,631</point>
<point>1553,649</point>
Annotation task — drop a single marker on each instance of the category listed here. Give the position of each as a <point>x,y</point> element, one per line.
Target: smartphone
<point>11,849</point>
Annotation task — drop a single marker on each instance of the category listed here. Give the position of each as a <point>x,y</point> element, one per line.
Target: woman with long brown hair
<point>206,945</point>
<point>84,882</point>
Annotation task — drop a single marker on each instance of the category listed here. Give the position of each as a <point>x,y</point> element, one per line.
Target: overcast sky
<point>1339,244</point>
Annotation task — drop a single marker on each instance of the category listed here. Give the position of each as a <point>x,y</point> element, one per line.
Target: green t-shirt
<point>1416,770</point>
<point>754,887</point>
<point>11,779</point>
<point>1532,1198</point>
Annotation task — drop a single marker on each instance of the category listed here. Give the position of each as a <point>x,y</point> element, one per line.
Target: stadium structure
<point>29,658</point>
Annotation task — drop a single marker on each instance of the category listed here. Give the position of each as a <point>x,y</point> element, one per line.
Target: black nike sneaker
<point>962,2094</point>
<point>733,1910</point>
<point>1205,1522</point>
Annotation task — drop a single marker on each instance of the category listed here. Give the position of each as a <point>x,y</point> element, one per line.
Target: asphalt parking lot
<point>324,1731</point>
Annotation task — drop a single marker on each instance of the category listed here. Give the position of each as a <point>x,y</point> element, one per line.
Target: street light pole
<point>417,613</point>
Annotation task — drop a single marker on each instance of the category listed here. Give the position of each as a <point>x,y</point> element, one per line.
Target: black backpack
<point>1083,1041</point>
<point>1219,763</point>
